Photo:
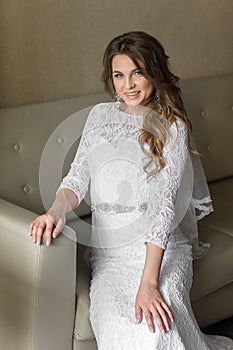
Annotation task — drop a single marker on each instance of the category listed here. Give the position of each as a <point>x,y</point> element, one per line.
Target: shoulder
<point>102,107</point>
<point>179,129</point>
<point>96,113</point>
<point>178,134</point>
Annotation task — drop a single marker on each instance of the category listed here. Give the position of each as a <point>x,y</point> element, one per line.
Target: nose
<point>129,83</point>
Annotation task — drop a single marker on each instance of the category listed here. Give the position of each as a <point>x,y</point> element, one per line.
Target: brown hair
<point>144,48</point>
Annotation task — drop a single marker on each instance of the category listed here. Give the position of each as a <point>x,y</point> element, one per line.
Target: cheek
<point>117,84</point>
<point>149,88</point>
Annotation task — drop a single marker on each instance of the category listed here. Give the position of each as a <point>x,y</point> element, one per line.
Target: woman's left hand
<point>150,301</point>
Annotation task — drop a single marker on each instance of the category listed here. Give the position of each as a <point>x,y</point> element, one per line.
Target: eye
<point>138,72</point>
<point>117,75</point>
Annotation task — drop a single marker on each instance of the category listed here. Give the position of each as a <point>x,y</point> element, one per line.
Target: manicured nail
<point>47,243</point>
<point>167,328</point>
<point>163,331</point>
<point>33,241</point>
<point>38,243</point>
<point>54,236</point>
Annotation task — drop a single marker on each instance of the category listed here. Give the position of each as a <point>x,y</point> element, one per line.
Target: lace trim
<point>199,204</point>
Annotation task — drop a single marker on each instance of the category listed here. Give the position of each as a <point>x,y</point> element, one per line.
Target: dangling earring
<point>118,98</point>
<point>156,96</point>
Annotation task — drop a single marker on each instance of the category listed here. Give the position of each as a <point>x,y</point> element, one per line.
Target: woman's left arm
<point>161,213</point>
<point>149,299</point>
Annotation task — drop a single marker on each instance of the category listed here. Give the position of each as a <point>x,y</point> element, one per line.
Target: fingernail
<point>163,331</point>
<point>54,236</point>
<point>47,243</point>
<point>167,328</point>
<point>33,241</point>
<point>137,320</point>
<point>38,243</point>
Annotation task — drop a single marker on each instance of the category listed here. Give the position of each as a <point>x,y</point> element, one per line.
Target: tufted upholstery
<point>25,131</point>
<point>210,107</point>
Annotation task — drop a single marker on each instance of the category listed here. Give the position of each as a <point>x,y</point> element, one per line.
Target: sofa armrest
<point>37,290</point>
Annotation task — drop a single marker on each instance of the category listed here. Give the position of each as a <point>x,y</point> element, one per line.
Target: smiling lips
<point>132,94</point>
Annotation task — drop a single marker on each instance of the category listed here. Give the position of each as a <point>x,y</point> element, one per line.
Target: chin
<point>133,102</point>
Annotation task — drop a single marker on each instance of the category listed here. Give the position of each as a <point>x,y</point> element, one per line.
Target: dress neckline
<point>117,105</point>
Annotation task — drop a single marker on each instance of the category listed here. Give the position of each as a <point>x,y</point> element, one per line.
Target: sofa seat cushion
<point>222,195</point>
<point>215,271</point>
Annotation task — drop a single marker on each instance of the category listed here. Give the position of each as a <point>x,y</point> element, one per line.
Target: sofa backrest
<point>25,131</point>
<point>209,103</point>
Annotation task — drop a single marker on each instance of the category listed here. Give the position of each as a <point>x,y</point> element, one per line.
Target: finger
<point>164,305</point>
<point>157,319</point>
<point>58,228</point>
<point>39,233</point>
<point>34,233</point>
<point>149,320</point>
<point>48,232</point>
<point>30,228</point>
<point>163,317</point>
<point>138,313</point>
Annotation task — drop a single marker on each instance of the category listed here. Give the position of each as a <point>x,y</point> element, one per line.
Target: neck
<point>137,109</point>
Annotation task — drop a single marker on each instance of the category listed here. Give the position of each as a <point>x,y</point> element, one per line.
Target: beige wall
<point>52,49</point>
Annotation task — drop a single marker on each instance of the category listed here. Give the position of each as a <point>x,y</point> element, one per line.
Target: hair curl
<point>144,49</point>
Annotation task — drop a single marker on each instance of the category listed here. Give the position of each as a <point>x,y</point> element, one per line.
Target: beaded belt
<point>118,208</point>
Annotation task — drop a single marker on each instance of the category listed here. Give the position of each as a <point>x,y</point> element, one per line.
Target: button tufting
<point>60,139</point>
<point>208,147</point>
<point>231,108</point>
<point>17,147</point>
<point>204,114</point>
<point>26,189</point>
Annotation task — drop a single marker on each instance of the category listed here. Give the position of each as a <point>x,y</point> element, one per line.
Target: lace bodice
<point>110,156</point>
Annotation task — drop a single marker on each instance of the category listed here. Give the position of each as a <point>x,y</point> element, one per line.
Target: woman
<point>137,152</point>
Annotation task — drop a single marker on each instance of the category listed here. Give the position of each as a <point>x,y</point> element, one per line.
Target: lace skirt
<point>114,285</point>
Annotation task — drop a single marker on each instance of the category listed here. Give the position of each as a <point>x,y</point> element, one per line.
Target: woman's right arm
<point>54,220</point>
<point>71,191</point>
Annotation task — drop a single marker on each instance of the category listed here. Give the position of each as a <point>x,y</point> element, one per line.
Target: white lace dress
<point>127,211</point>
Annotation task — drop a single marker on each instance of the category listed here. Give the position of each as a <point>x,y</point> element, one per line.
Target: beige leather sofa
<point>44,298</point>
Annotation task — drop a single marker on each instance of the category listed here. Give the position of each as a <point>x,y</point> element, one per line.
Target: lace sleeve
<point>78,177</point>
<point>165,185</point>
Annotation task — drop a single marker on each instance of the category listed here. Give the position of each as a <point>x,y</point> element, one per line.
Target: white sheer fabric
<point>171,208</point>
<point>127,211</point>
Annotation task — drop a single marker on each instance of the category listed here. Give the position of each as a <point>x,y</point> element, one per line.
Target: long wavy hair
<point>166,98</point>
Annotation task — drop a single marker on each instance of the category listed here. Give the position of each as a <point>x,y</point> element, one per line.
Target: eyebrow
<point>117,71</point>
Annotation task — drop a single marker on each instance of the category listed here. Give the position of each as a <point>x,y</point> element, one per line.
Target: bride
<point>137,153</point>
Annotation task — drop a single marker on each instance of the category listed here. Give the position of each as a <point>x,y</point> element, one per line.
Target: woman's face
<point>129,81</point>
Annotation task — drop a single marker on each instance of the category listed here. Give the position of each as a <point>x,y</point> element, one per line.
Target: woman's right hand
<point>54,220</point>
<point>50,223</point>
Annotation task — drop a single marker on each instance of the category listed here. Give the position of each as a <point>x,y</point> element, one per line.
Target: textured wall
<point>52,49</point>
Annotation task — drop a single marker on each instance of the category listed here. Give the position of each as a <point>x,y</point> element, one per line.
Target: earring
<point>118,98</point>
<point>155,96</point>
